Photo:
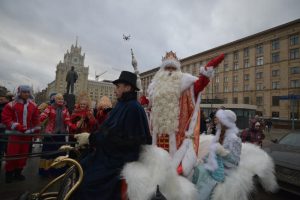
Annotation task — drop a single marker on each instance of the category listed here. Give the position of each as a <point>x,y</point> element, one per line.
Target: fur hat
<point>227,118</point>
<point>23,88</point>
<point>170,59</point>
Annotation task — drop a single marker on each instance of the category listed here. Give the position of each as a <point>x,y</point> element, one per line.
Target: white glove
<point>82,138</point>
<point>220,150</point>
<point>66,148</point>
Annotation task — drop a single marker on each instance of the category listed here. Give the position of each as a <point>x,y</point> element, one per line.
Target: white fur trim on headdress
<point>227,118</point>
<point>170,62</point>
<point>208,72</point>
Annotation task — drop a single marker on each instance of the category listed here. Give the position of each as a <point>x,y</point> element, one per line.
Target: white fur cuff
<point>209,72</point>
<point>170,62</point>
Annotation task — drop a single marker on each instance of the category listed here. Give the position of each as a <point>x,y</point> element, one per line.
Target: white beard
<point>164,95</point>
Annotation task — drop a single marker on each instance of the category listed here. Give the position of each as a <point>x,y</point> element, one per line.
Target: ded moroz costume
<point>175,110</point>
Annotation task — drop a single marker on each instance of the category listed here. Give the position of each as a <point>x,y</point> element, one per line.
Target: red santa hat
<point>144,100</point>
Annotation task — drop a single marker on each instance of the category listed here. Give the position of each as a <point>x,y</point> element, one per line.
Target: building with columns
<point>261,70</point>
<point>95,89</point>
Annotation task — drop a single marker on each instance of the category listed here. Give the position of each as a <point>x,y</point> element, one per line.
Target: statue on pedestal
<point>71,79</point>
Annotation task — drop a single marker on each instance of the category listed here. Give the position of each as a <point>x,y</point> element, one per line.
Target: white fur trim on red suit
<point>208,72</point>
<point>170,62</point>
<point>187,81</point>
<point>153,168</point>
<point>186,153</point>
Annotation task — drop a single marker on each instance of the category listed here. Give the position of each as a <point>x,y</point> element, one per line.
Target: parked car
<point>286,155</point>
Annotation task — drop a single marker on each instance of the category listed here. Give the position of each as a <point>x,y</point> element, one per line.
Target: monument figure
<point>71,79</point>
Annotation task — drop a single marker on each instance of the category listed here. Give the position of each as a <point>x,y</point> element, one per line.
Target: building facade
<point>262,69</point>
<point>95,89</point>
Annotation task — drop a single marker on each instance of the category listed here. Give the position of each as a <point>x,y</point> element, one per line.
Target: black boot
<point>18,175</point>
<point>9,177</point>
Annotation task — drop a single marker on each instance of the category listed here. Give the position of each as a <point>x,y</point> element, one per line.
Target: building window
<point>236,55</point>
<point>259,86</point>
<point>246,63</point>
<point>275,72</point>
<point>235,65</point>
<point>235,78</point>
<point>275,100</point>
<point>246,77</point>
<point>216,88</point>
<point>260,61</point>
<point>235,100</point>
<point>246,100</point>
<point>275,114</point>
<point>235,88</point>
<point>295,70</point>
<point>216,70</point>
<point>295,83</point>
<point>226,88</point>
<point>259,75</point>
<point>217,79</point>
<point>294,40</point>
<point>296,115</point>
<point>259,101</point>
<point>226,68</point>
<point>225,79</point>
<point>294,54</point>
<point>246,52</point>
<point>275,85</point>
<point>259,49</point>
<point>275,57</point>
<point>225,100</point>
<point>246,87</point>
<point>225,58</point>
<point>275,44</point>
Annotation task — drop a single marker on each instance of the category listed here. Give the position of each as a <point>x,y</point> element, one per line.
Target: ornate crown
<point>170,59</point>
<point>170,55</point>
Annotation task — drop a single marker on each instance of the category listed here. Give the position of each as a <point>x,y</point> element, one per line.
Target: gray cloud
<point>34,34</point>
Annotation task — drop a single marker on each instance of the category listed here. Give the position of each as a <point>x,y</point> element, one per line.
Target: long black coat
<point>117,142</point>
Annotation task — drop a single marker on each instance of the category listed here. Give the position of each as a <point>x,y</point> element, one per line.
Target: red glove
<point>214,62</point>
<point>20,128</point>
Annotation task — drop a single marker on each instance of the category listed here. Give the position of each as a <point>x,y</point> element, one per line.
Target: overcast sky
<point>35,34</point>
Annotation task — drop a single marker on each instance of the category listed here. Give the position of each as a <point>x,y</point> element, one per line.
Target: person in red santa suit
<point>59,122</point>
<point>21,115</point>
<point>82,116</point>
<point>175,110</point>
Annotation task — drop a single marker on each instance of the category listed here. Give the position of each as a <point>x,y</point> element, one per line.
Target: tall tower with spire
<point>75,58</point>
<point>94,88</point>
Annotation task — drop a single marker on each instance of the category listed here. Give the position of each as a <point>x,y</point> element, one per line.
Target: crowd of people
<point>21,114</point>
<point>171,119</point>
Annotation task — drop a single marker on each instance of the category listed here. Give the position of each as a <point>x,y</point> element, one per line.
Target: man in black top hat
<point>117,142</point>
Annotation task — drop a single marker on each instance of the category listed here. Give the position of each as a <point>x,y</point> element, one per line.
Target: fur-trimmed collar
<point>187,81</point>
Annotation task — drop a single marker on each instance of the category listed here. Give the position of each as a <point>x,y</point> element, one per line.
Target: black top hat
<point>128,78</point>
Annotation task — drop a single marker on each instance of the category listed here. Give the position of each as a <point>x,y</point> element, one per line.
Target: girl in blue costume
<point>223,157</point>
